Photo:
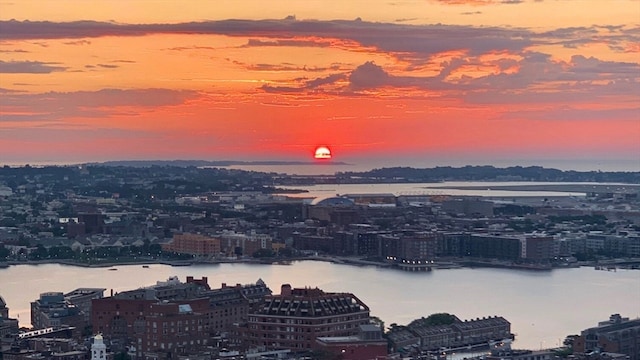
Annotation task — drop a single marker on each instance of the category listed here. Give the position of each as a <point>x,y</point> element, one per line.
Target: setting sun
<point>322,152</point>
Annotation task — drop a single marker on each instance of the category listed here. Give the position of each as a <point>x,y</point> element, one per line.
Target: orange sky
<point>436,80</point>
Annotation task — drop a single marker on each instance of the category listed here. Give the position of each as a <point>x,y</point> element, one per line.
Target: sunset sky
<point>429,82</point>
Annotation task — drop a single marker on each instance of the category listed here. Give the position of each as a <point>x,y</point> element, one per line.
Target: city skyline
<point>410,82</point>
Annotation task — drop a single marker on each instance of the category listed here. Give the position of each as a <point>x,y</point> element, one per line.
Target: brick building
<point>539,249</point>
<point>367,345</point>
<point>163,320</point>
<point>173,329</point>
<point>297,317</point>
<point>194,244</point>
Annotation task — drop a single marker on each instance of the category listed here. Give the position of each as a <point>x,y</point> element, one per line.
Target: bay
<point>321,191</point>
<point>543,307</point>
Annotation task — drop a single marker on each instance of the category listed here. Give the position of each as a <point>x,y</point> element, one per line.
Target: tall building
<point>493,247</point>
<point>297,317</point>
<point>413,251</point>
<point>82,297</point>
<point>52,310</point>
<point>173,329</point>
<point>7,325</point>
<point>539,249</point>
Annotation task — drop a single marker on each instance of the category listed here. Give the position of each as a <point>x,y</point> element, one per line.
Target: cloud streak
<point>29,67</point>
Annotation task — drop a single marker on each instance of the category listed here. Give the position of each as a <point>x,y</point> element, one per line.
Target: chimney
<point>285,290</point>
<point>111,292</point>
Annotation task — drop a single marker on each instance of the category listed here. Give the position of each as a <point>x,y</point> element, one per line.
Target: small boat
<point>145,266</point>
<point>112,269</point>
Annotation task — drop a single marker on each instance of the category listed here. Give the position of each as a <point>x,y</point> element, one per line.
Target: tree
<point>436,319</point>
<point>285,252</point>
<point>377,322</point>
<point>39,253</point>
<point>155,249</point>
<point>4,252</point>
<point>121,356</point>
<point>263,253</point>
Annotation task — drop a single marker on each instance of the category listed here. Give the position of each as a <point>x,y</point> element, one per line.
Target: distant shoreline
<point>354,261</point>
<point>581,188</point>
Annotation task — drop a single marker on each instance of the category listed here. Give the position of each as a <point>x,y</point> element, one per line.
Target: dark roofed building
<point>297,317</point>
<point>617,335</point>
<point>482,330</point>
<point>457,334</point>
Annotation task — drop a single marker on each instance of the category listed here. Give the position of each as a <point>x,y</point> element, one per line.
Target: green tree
<point>121,356</point>
<point>39,253</point>
<point>436,319</point>
<point>263,253</point>
<point>4,252</point>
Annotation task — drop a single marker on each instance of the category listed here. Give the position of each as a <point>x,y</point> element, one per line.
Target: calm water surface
<point>328,190</point>
<point>543,307</point>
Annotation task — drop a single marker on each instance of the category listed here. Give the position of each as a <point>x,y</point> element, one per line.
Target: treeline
<point>92,255</point>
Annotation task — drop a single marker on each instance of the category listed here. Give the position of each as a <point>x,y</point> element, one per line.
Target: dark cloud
<point>14,51</point>
<point>331,79</point>
<point>480,2</point>
<point>294,43</point>
<point>9,91</point>
<point>539,78</point>
<point>280,89</point>
<point>616,38</point>
<point>404,40</point>
<point>285,67</point>
<point>424,39</point>
<point>29,67</point>
<point>108,66</point>
<point>183,48</point>
<point>406,20</point>
<point>368,75</point>
<point>78,42</point>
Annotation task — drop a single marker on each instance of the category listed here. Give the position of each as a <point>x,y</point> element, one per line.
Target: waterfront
<point>543,307</point>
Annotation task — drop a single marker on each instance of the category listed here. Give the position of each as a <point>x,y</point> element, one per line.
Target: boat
<point>145,266</point>
<point>112,269</point>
